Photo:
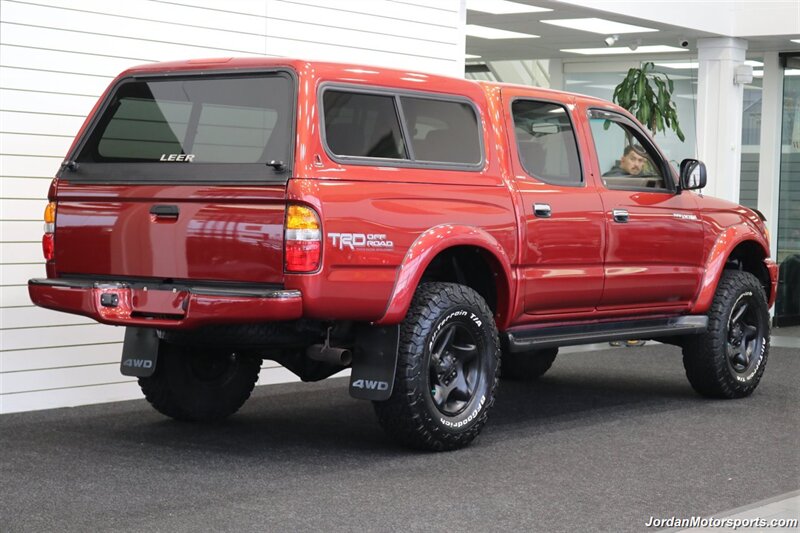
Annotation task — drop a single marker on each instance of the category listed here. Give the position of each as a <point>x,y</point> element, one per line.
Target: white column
<point>719,114</point>
<point>555,69</point>
<point>769,164</point>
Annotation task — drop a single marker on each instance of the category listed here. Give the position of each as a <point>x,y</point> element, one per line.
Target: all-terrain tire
<point>195,384</point>
<point>527,366</point>
<point>728,360</point>
<point>447,370</point>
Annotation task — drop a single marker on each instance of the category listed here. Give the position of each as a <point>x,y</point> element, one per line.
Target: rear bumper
<point>165,307</point>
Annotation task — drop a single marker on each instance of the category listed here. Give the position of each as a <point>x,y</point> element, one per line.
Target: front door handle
<point>620,215</point>
<point>542,210</point>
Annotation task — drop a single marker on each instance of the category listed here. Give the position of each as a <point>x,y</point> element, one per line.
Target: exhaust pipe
<point>327,354</point>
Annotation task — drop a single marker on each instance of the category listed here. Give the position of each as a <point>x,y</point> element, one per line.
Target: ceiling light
<point>635,44</point>
<point>787,72</point>
<point>471,56</point>
<point>678,65</point>
<point>485,32</point>
<point>596,25</point>
<point>503,7</point>
<point>796,41</point>
<point>651,49</point>
<point>611,40</point>
<point>694,65</point>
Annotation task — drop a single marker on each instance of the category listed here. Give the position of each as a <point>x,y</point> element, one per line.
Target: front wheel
<point>197,384</point>
<point>447,370</point>
<point>728,360</point>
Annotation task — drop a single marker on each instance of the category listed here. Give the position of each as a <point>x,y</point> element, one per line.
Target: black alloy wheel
<point>746,333</point>
<point>454,368</point>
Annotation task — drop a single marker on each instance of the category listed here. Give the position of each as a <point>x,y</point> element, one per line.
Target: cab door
<point>563,231</point>
<point>654,256</point>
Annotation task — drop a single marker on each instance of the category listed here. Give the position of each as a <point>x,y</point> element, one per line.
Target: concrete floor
<point>604,441</point>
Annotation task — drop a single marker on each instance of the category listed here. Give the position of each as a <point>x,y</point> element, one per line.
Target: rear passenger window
<point>362,125</point>
<point>426,131</point>
<point>546,142</point>
<point>442,131</point>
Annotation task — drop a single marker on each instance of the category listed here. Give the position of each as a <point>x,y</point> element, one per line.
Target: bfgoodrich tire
<point>195,384</point>
<point>527,366</point>
<point>447,370</point>
<point>728,360</point>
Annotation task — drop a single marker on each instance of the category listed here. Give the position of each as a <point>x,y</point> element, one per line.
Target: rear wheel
<point>192,383</point>
<point>446,372</point>
<point>728,360</point>
<point>527,366</point>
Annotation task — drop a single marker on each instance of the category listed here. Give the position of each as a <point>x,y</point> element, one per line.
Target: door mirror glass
<point>693,174</point>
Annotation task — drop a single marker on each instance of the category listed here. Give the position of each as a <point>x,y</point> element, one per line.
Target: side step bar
<point>522,340</point>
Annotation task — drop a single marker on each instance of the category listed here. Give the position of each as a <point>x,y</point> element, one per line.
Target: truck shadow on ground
<point>321,418</point>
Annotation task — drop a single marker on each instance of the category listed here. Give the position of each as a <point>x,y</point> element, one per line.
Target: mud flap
<point>374,362</point>
<point>139,353</point>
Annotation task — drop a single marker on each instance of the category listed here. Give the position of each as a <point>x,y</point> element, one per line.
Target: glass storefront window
<point>787,307</point>
<point>751,139</point>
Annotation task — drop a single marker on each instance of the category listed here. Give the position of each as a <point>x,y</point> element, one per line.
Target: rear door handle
<point>620,215</point>
<point>165,211</point>
<point>542,210</point>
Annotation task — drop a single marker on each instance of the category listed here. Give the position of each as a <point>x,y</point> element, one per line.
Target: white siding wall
<point>57,56</point>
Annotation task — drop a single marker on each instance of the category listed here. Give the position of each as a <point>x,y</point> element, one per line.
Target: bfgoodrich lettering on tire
<point>728,360</point>
<point>446,371</point>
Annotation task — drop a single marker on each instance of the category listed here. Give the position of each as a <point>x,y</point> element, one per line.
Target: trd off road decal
<point>376,242</point>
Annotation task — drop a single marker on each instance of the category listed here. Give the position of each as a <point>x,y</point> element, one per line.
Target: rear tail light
<point>48,239</point>
<point>303,239</point>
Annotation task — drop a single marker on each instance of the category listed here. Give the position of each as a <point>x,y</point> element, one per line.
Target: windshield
<point>195,121</point>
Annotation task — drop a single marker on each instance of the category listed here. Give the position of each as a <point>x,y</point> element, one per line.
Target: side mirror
<point>693,174</point>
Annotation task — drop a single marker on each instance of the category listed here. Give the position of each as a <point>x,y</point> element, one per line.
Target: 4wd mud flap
<point>139,353</point>
<point>374,362</point>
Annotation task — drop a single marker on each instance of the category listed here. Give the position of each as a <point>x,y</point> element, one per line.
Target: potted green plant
<point>647,94</point>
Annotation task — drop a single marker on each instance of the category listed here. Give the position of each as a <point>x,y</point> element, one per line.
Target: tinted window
<point>362,125</point>
<point>546,142</point>
<point>215,120</point>
<point>441,131</point>
<point>626,159</point>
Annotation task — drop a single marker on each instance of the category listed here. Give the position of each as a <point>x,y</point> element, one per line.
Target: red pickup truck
<point>417,229</point>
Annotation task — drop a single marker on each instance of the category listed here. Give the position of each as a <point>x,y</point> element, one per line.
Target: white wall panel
<point>28,317</point>
<point>21,252</point>
<point>33,80</point>
<point>36,102</point>
<point>23,166</point>
<point>30,188</point>
<point>14,209</point>
<point>20,274</point>
<point>37,145</point>
<point>42,359</point>
<point>112,44</point>
<point>40,124</point>
<point>56,59</point>
<point>11,296</point>
<point>173,13</point>
<point>22,230</point>
<point>24,339</point>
